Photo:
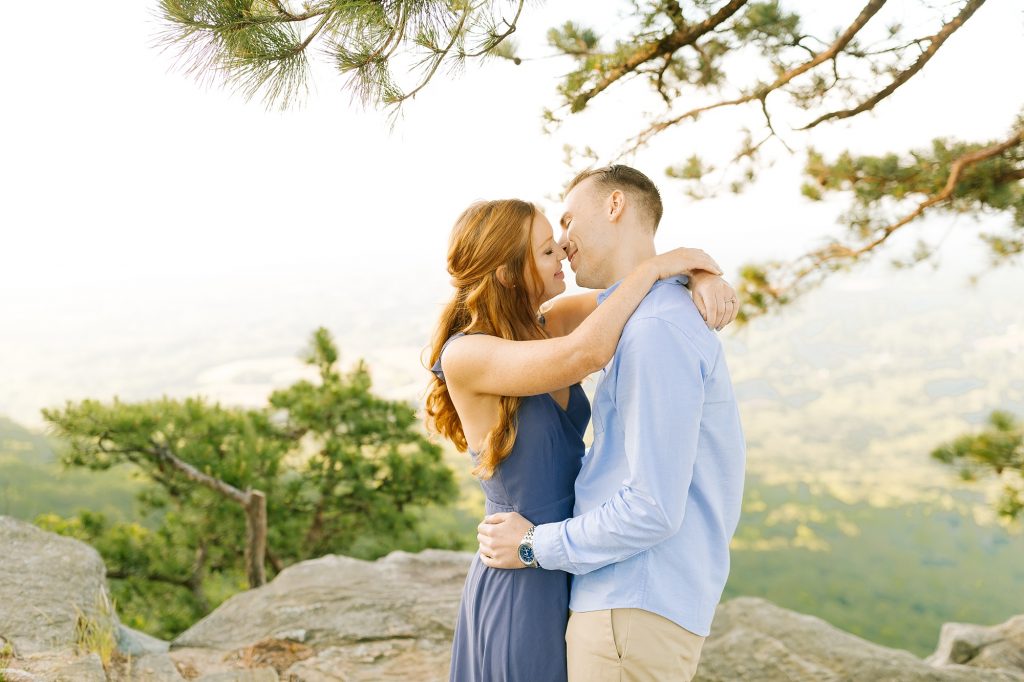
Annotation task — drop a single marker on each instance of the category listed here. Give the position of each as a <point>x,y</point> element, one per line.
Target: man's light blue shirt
<point>658,496</point>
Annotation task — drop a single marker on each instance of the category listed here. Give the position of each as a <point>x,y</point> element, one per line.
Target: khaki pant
<point>629,645</point>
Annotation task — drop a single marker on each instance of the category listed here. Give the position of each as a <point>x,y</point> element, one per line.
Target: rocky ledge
<point>337,618</point>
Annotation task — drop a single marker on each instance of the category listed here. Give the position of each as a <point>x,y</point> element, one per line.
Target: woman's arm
<point>489,365</point>
<point>710,293</point>
<point>564,314</point>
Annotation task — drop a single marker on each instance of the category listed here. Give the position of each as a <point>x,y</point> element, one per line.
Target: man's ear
<point>616,205</point>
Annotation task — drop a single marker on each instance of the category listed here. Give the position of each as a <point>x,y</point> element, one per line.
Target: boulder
<point>393,619</point>
<point>46,581</point>
<point>355,620</point>
<point>56,666</point>
<point>136,643</point>
<point>979,646</point>
<point>153,668</point>
<point>255,675</point>
<point>753,639</point>
<point>337,618</point>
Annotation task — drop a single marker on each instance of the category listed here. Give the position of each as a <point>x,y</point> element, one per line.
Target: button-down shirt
<point>658,496</point>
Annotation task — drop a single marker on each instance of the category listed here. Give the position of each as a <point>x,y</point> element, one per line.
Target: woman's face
<point>548,257</point>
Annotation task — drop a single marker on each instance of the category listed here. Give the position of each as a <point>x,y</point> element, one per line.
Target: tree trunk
<point>275,562</point>
<point>255,537</point>
<point>253,502</point>
<point>195,581</point>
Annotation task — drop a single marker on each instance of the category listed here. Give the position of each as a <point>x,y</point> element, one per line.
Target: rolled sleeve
<point>549,547</point>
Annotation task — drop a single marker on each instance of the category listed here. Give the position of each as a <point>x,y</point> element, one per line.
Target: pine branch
<point>163,454</point>
<point>437,59</point>
<point>955,171</point>
<point>664,47</point>
<point>935,42</point>
<point>260,47</point>
<point>761,93</point>
<point>772,288</point>
<point>497,39</point>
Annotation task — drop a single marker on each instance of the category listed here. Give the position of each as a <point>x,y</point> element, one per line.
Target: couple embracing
<point>607,563</point>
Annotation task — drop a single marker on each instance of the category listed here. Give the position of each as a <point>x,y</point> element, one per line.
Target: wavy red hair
<point>490,237</point>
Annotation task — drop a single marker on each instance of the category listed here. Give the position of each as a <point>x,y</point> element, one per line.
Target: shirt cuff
<point>548,547</point>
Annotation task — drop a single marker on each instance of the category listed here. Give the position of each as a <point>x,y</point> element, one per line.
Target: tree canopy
<point>998,451</point>
<point>326,467</point>
<point>700,57</point>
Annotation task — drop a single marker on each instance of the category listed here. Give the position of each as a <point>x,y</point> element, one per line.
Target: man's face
<point>587,236</point>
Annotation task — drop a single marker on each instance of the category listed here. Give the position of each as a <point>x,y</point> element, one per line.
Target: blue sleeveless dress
<point>511,623</point>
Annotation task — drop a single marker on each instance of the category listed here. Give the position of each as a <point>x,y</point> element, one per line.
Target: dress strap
<point>436,369</point>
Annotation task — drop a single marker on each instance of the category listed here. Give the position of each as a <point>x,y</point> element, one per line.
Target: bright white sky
<point>137,203</point>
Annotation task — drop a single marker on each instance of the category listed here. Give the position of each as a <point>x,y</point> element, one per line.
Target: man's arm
<point>659,395</point>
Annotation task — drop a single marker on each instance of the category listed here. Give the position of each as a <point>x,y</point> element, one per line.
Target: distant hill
<point>892,575</point>
<point>19,443</point>
<point>32,481</point>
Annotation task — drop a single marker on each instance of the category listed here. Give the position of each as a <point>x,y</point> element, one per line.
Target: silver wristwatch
<point>526,554</point>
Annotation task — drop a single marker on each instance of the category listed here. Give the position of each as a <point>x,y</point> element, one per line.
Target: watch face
<point>526,554</point>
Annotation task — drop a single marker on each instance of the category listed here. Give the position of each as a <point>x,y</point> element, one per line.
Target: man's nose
<point>563,241</point>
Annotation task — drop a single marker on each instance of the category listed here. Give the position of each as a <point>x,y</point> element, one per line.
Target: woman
<point>506,388</point>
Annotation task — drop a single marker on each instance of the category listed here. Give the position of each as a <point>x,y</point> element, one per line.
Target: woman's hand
<point>684,261</point>
<point>715,299</point>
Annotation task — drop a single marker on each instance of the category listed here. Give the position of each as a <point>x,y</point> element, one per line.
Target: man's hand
<point>715,299</point>
<point>499,536</point>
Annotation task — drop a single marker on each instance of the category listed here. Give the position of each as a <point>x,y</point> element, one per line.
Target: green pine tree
<point>368,467</point>
<point>998,450</point>
<point>212,466</point>
<point>326,467</point>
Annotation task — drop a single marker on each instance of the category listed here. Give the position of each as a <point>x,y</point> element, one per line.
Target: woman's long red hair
<point>489,236</point>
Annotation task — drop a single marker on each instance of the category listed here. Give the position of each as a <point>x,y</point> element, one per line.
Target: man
<point>658,496</point>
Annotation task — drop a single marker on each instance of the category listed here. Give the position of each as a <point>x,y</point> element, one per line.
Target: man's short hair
<point>634,184</point>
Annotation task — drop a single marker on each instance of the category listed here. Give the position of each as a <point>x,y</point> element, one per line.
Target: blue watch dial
<point>526,554</point>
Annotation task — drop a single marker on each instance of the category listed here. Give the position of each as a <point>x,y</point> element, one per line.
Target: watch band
<point>527,543</point>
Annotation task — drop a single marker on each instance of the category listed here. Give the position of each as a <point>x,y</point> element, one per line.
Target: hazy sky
<point>145,217</point>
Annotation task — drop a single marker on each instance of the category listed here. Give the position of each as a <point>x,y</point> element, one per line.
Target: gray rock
<point>18,675</point>
<point>752,639</point>
<point>999,646</point>
<point>257,675</point>
<point>391,619</point>
<point>45,580</point>
<point>293,635</point>
<point>87,669</point>
<point>58,666</point>
<point>390,661</point>
<point>340,601</point>
<point>136,643</point>
<point>155,668</point>
<point>340,619</point>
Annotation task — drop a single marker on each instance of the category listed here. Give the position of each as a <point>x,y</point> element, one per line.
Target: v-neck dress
<point>511,623</point>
